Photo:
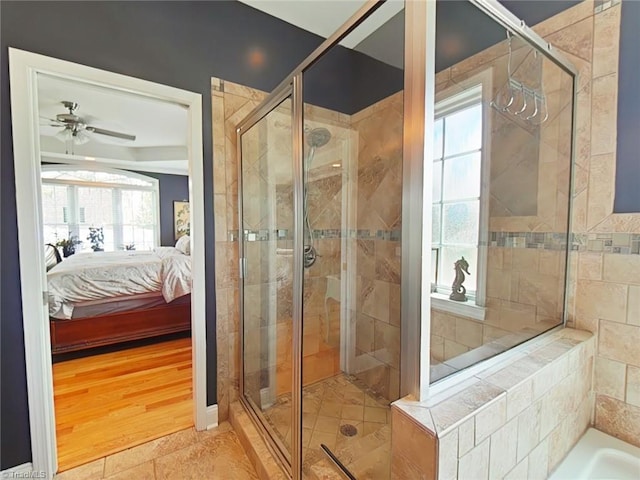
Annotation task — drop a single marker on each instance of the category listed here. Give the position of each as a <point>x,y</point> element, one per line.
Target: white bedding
<point>92,276</point>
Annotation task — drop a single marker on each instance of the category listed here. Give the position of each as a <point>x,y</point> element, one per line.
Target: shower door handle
<point>243,267</point>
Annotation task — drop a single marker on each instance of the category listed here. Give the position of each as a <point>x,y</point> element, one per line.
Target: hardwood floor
<point>110,402</point>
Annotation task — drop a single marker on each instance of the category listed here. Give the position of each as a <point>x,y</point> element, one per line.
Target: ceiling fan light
<point>80,138</point>
<point>65,135</point>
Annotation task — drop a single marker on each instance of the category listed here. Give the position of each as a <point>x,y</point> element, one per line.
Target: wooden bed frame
<point>82,333</point>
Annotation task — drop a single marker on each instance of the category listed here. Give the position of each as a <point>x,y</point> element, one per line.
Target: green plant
<point>96,237</point>
<point>68,245</point>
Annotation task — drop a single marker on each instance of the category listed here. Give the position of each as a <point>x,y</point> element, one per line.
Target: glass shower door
<point>266,253</point>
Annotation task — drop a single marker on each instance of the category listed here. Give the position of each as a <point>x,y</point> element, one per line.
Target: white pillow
<point>184,244</point>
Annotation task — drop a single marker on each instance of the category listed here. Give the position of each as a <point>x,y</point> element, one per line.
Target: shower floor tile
<point>340,413</point>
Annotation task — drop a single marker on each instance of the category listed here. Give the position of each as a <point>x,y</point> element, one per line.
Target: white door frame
<point>24,68</point>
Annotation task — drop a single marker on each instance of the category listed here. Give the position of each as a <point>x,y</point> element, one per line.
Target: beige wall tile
<point>610,378</point>
<point>539,461</point>
<point>600,192</point>
<point>633,310</point>
<point>443,325</point>
<point>547,377</point>
<point>619,342</point>
<point>622,268</point>
<point>606,41</point>
<point>453,349</point>
<point>633,386</point>
<point>217,106</point>
<point>619,419</point>
<point>475,464</point>
<point>604,114</point>
<point>570,16</point>
<point>595,300</point>
<point>402,468</point>
<point>559,442</point>
<point>387,344</point>
<point>364,333</point>
<point>466,436</point>
<point>549,262</point>
<point>520,471</point>
<point>490,419</point>
<point>579,218</point>
<point>581,178</point>
<point>525,259</point>
<point>519,398</point>
<point>528,430</point>
<point>448,456</point>
<point>576,39</point>
<point>590,266</point>
<point>414,443</point>
<point>502,455</point>
<point>583,127</point>
<point>468,332</point>
<point>447,413</point>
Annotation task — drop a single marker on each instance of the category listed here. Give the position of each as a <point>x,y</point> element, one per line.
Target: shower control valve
<point>310,256</point>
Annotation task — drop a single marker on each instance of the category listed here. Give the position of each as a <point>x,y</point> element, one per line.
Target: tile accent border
<point>286,234</point>
<point>602,5</point>
<point>618,243</point>
<point>622,243</point>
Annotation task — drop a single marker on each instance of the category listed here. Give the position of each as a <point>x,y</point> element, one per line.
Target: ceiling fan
<point>75,128</point>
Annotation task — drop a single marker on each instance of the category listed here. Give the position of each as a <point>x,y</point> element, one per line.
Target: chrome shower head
<point>318,137</point>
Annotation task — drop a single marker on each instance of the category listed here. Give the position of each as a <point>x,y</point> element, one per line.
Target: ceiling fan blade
<point>53,122</point>
<point>110,133</point>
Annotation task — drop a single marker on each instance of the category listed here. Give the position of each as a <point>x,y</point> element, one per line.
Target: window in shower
<point>456,202</point>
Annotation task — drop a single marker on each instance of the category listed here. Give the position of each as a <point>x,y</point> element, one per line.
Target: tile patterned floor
<point>328,406</point>
<point>215,454</point>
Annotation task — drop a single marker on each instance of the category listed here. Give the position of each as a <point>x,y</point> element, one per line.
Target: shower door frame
<point>291,87</point>
<point>419,105</point>
<point>272,439</point>
<point>501,15</point>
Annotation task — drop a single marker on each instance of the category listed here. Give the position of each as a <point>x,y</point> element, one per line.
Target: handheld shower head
<point>318,137</point>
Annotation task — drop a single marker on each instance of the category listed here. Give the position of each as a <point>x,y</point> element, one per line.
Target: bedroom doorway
<point>110,165</point>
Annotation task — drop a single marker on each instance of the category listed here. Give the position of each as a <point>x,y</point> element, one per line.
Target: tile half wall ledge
<point>522,414</point>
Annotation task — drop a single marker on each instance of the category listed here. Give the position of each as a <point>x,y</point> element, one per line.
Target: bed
<point>104,298</point>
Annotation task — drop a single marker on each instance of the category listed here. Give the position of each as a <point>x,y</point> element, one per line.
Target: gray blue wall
<point>627,199</point>
<point>182,44</point>
<point>172,188</point>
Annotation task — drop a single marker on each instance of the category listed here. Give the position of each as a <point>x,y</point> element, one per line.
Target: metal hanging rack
<point>533,100</point>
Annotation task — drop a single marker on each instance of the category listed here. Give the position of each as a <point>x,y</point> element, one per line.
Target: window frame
<point>72,195</point>
<point>446,105</point>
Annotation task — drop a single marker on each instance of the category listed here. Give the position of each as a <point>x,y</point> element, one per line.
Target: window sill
<point>442,303</point>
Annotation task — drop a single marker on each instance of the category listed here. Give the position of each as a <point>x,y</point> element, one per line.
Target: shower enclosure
<point>345,305</point>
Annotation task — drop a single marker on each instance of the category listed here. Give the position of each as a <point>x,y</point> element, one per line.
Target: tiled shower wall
<point>528,205</point>
<point>231,103</point>
<point>605,264</point>
<point>604,299</point>
<point>605,286</point>
<point>377,245</point>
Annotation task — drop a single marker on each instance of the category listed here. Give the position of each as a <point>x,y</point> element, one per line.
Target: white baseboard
<point>212,416</point>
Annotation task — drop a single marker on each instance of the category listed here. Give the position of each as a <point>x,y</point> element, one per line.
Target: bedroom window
<point>124,204</point>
